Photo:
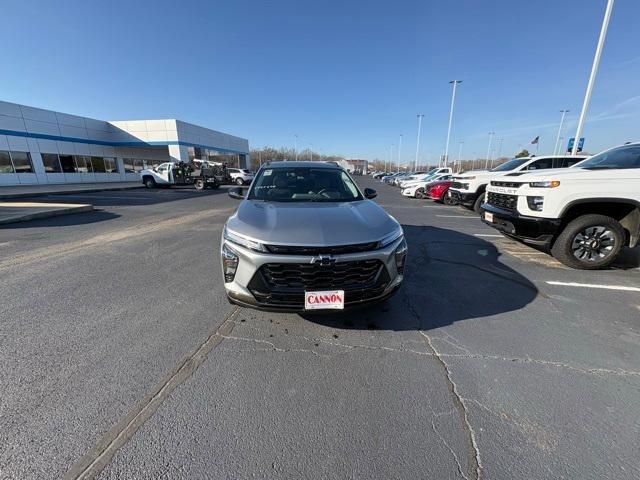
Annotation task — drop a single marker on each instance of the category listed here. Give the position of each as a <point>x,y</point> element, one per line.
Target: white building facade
<point>45,147</point>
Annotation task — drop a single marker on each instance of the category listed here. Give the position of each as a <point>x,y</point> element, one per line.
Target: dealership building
<point>45,147</point>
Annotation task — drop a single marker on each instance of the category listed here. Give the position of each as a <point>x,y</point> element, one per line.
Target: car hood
<point>556,173</point>
<point>312,224</point>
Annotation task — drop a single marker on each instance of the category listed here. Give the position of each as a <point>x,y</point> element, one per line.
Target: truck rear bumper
<point>532,230</point>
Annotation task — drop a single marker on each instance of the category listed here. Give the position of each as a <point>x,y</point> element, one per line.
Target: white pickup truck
<point>584,215</point>
<point>200,173</point>
<point>468,189</point>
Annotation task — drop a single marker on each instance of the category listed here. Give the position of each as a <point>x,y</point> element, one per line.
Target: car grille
<point>459,185</point>
<point>506,184</point>
<point>333,250</point>
<point>284,284</point>
<point>501,200</point>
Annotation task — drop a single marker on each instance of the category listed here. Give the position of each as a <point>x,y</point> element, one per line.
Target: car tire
<point>239,181</point>
<point>149,182</point>
<point>420,193</point>
<point>571,249</point>
<point>448,200</point>
<point>478,203</point>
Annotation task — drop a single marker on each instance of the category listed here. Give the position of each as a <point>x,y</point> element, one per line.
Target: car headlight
<point>401,256</point>
<point>548,184</point>
<point>535,203</point>
<point>243,241</point>
<point>392,237</point>
<point>229,263</point>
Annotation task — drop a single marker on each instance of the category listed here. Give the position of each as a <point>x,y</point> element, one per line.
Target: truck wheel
<point>479,202</point>
<point>199,184</point>
<point>239,181</point>
<point>149,182</point>
<point>589,242</point>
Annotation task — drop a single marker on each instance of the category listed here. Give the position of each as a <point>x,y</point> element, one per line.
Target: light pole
<point>486,163</point>
<point>499,150</point>
<point>420,116</point>
<point>453,100</point>
<point>399,152</point>
<point>295,146</point>
<point>592,77</point>
<point>459,155</point>
<point>311,152</point>
<point>555,149</point>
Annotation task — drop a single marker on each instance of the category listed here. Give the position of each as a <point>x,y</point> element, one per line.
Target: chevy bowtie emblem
<point>324,260</point>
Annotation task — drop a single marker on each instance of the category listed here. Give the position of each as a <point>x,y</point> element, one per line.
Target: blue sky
<point>347,77</point>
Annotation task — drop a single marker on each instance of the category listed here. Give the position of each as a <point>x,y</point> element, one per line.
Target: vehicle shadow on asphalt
<point>450,277</point>
<point>64,220</point>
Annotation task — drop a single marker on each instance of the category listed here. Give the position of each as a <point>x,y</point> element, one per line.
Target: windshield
<point>304,185</point>
<point>510,165</point>
<point>621,157</point>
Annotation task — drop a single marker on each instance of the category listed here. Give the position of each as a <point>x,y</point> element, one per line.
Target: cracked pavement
<point>476,369</point>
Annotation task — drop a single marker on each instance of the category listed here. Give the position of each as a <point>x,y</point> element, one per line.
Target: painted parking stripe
<point>603,287</point>
<point>487,235</point>
<point>457,216</point>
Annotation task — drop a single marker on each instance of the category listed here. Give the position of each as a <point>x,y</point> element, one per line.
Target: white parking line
<point>487,235</point>
<point>457,216</point>
<point>604,287</point>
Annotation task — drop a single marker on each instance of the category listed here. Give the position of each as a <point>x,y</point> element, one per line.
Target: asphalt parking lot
<point>120,356</point>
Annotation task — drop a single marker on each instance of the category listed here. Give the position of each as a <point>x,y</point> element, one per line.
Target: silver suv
<point>306,238</point>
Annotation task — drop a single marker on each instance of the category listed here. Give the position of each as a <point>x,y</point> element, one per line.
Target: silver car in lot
<point>305,237</point>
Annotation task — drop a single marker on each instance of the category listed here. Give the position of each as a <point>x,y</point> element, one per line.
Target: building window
<point>192,153</point>
<point>51,163</point>
<point>83,164</point>
<point>67,163</point>
<point>138,165</point>
<point>22,162</point>
<point>110,165</point>
<point>128,165</point>
<point>98,164</point>
<point>5,162</point>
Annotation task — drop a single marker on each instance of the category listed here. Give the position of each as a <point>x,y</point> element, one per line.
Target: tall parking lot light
<point>453,101</point>
<point>555,149</point>
<point>486,163</point>
<point>399,151</point>
<point>592,77</point>
<point>459,155</point>
<point>420,117</point>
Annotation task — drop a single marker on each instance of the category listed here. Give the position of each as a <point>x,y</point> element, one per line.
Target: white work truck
<point>200,173</point>
<point>468,189</point>
<point>584,215</point>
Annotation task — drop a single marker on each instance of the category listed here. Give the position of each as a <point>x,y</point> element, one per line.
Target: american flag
<point>535,140</point>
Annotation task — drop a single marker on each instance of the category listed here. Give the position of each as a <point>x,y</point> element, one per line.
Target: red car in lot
<point>438,192</point>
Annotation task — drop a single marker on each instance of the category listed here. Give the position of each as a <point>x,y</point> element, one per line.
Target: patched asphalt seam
<point>92,463</point>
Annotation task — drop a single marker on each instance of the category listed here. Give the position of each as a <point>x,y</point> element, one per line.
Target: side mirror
<point>370,193</point>
<point>237,193</point>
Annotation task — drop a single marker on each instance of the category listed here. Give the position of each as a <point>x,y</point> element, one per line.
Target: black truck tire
<point>589,242</point>
<point>199,184</point>
<point>479,202</point>
<point>149,182</point>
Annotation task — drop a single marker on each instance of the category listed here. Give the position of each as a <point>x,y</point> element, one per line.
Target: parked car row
<point>583,210</point>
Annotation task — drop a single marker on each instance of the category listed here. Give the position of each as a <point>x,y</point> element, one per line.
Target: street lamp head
<point>456,81</point>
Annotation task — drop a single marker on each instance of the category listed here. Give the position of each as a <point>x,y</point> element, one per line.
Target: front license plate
<point>327,300</point>
<point>488,217</point>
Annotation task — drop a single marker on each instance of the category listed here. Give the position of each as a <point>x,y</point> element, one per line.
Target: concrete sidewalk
<point>13,212</point>
<point>20,191</point>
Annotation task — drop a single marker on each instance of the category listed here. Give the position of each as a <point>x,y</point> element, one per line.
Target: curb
<point>8,196</point>
<point>45,214</point>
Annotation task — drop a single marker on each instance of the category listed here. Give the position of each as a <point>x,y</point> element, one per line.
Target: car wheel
<point>149,182</point>
<point>420,193</point>
<point>448,200</point>
<point>239,181</point>
<point>589,242</point>
<point>479,202</point>
<point>199,184</point>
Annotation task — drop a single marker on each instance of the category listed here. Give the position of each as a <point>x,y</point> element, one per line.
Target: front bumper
<point>251,288</point>
<point>532,230</point>
<point>464,198</point>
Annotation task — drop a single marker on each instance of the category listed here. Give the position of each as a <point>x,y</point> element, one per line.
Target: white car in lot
<point>240,176</point>
<point>468,189</point>
<point>423,176</point>
<point>419,189</point>
<point>584,214</point>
